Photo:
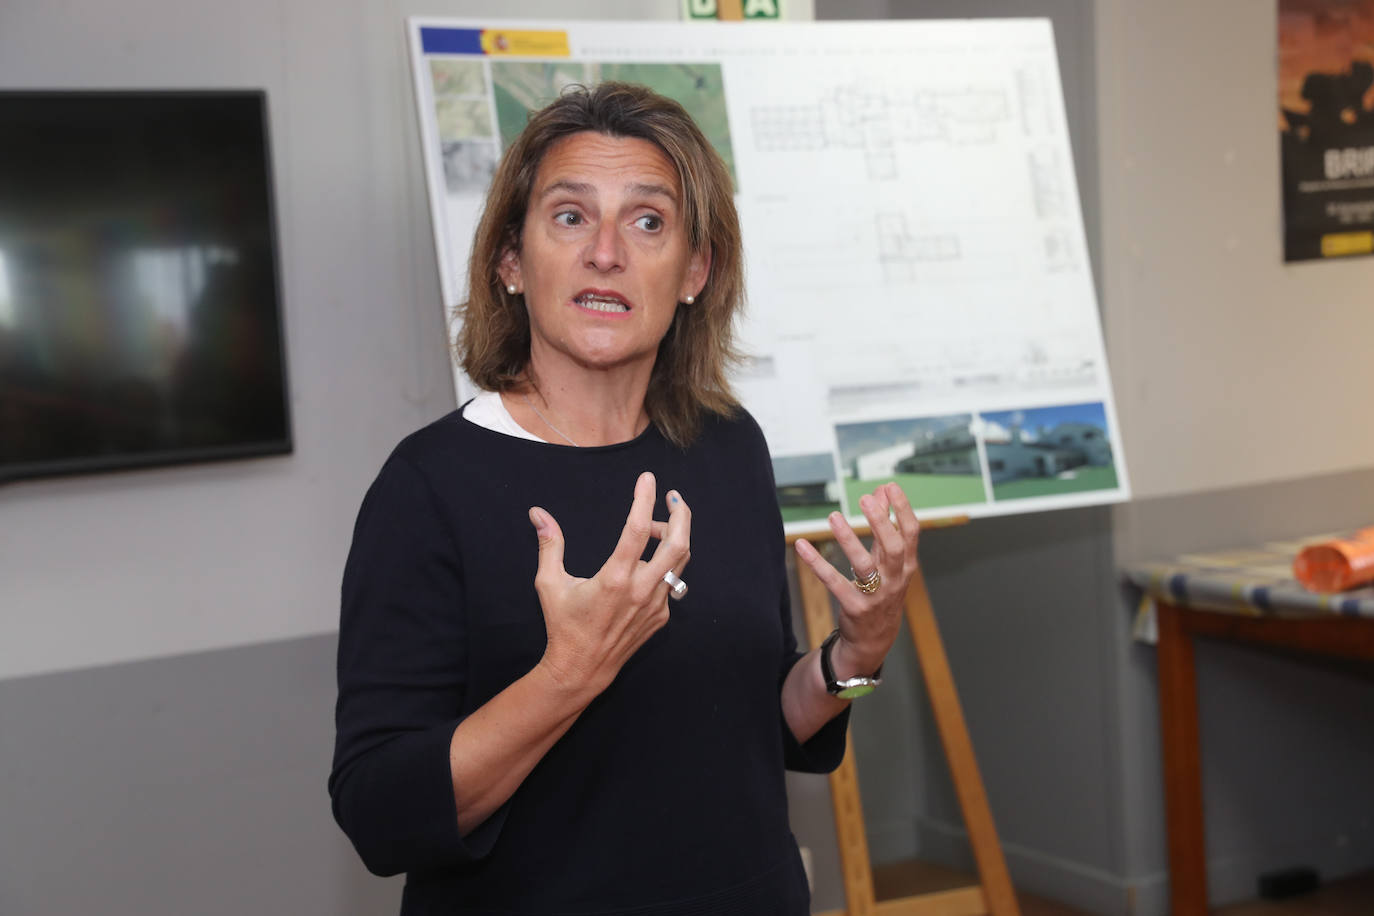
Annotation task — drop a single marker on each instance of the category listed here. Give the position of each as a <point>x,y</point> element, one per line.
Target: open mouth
<point>601,302</point>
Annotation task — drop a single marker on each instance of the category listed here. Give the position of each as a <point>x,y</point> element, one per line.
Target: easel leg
<point>1182,770</point>
<point>995,895</point>
<point>963,766</point>
<point>850,835</point>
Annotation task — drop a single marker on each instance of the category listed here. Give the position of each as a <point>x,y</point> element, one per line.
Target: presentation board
<point>921,305</point>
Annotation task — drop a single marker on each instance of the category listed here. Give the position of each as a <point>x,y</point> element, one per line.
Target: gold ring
<point>869,583</point>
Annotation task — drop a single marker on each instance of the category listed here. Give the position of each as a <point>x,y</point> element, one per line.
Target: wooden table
<point>1245,596</point>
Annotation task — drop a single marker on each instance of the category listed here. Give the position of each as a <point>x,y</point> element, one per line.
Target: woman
<point>535,729</point>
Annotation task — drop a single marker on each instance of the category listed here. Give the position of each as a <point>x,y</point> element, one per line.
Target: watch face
<point>856,691</point>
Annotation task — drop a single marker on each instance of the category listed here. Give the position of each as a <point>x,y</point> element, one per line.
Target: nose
<point>606,249</point>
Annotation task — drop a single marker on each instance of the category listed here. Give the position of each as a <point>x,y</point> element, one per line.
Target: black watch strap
<point>849,688</point>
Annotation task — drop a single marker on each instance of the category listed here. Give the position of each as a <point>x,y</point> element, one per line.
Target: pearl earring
<point>690,299</point>
<point>510,288</point>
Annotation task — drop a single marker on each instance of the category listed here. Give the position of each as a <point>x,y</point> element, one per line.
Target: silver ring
<point>677,587</point>
<point>869,583</point>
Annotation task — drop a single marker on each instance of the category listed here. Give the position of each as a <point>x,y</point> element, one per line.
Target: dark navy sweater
<point>666,797</point>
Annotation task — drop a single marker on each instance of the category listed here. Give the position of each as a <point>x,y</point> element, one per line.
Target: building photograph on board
<point>807,486</point>
<point>1048,451</point>
<point>933,459</point>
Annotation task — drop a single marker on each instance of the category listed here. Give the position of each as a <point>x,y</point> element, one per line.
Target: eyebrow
<point>652,190</point>
<point>582,187</point>
<point>570,187</point>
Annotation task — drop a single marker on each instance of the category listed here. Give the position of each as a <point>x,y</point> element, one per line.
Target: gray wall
<point>166,666</point>
<point>192,784</point>
<point>1061,704</point>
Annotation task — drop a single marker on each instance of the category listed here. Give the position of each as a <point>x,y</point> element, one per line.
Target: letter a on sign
<point>761,9</point>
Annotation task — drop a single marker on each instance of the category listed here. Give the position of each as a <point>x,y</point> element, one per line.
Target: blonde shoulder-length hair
<point>690,374</point>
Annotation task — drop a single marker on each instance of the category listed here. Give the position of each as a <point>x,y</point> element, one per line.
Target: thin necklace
<point>546,420</point>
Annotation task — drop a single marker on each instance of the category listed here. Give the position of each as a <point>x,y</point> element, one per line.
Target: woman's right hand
<point>594,625</point>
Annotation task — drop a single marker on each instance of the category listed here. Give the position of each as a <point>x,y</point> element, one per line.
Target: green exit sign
<point>753,9</point>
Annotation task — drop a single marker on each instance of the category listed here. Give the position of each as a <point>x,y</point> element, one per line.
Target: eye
<point>650,222</point>
<point>568,218</point>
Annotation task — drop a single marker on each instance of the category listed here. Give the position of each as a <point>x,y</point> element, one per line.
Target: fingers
<point>638,527</point>
<point>600,622</point>
<point>550,546</point>
<point>894,529</point>
<point>907,523</point>
<point>892,553</point>
<point>660,533</point>
<point>674,548</point>
<point>837,584</point>
<point>877,508</point>
<point>849,542</point>
<point>674,537</point>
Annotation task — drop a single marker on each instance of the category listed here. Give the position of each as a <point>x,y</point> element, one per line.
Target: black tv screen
<point>140,316</point>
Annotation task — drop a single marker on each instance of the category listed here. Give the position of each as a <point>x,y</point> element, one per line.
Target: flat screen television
<point>140,307</point>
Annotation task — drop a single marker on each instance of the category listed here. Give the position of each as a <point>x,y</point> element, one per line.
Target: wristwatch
<point>851,687</point>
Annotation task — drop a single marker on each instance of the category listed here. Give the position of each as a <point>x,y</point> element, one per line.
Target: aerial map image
<point>523,86</point>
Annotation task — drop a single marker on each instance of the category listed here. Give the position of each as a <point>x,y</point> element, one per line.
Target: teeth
<point>601,304</point>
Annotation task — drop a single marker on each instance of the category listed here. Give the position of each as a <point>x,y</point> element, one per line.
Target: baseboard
<point>1046,876</point>
<point>1236,878</point>
<point>1229,880</point>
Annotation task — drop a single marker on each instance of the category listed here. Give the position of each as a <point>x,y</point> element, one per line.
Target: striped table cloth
<point>1256,581</point>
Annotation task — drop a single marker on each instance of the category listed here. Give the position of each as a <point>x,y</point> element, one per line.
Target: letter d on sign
<point>699,9</point>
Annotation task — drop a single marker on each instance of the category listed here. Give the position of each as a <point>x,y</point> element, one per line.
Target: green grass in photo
<point>924,490</point>
<point>1084,478</point>
<point>816,511</point>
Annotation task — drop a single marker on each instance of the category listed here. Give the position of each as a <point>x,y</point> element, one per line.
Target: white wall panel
<point>1231,368</point>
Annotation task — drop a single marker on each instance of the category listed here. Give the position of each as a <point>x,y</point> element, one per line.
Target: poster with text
<point>921,306</point>
<point>1326,127</point>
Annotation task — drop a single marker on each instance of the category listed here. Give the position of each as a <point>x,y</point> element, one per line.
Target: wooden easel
<point>994,894</point>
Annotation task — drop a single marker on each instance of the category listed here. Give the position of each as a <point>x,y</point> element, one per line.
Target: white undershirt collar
<point>488,411</point>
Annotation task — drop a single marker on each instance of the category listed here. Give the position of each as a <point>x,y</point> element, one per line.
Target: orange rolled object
<point>1336,565</point>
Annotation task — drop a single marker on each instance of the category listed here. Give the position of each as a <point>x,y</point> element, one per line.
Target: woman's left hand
<point>869,622</point>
